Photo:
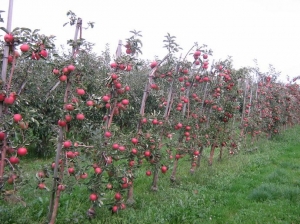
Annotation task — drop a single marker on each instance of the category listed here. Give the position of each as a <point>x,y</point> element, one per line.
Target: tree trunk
<point>53,198</point>
<point>199,157</point>
<point>221,153</point>
<point>173,175</point>
<point>155,179</point>
<point>55,195</point>
<point>55,207</point>
<point>130,199</point>
<point>3,155</point>
<point>211,156</point>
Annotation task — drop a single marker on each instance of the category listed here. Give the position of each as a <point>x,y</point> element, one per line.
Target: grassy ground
<point>262,186</point>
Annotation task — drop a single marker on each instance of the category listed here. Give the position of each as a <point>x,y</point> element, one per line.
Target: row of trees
<point>106,116</point>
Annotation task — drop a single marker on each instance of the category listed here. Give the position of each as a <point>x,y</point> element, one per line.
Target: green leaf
<point>40,199</point>
<point>35,121</point>
<point>5,30</point>
<point>15,29</point>
<point>23,29</point>
<point>17,137</point>
<point>139,41</point>
<point>40,213</point>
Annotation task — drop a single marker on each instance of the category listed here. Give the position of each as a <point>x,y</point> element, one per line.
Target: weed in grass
<point>290,165</point>
<point>291,193</point>
<point>278,176</point>
<point>264,192</point>
<point>274,192</point>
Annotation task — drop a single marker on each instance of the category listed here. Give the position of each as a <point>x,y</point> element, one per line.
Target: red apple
<point>197,53</point>
<point>71,170</point>
<point>22,151</point>
<point>67,144</point>
<point>35,56</point>
<point>155,121</point>
<point>41,174</point>
<point>9,100</point>
<point>118,196</point>
<point>134,151</point>
<point>41,186</point>
<point>122,148</point>
<point>123,206</point>
<point>114,76</point>
<point>14,160</point>
<point>93,197</point>
<point>196,153</point>
<point>128,68</point>
<point>131,163</point>
<point>80,92</point>
<point>70,154</point>
<point>113,65</point>
<point>144,120</point>
<point>2,135</point>
<point>83,175</point>
<point>114,209</point>
<point>24,47</point>
<point>125,102</point>
<point>90,103</point>
<point>147,153</point>
<point>153,64</point>
<point>68,117</point>
<point>10,59</point>
<point>63,78</point>
<point>71,68</point>
<point>62,123</point>
<point>17,117</point>
<point>80,116</point>
<point>134,141</point>
<point>8,38</point>
<point>69,107</point>
<point>65,70</point>
<point>98,170</point>
<point>118,85</point>
<point>164,169</point>
<point>107,134</point>
<point>105,98</point>
<point>55,71</point>
<point>44,53</point>
<point>61,187</point>
<point>128,51</point>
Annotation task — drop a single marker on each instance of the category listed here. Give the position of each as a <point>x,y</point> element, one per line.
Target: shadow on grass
<point>273,191</point>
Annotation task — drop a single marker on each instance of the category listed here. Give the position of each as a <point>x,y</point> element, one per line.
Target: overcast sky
<point>266,30</point>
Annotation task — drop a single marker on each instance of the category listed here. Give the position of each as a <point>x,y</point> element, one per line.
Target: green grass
<point>258,187</point>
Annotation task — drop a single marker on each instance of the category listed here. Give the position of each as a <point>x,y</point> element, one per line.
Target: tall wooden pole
<point>3,77</point>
